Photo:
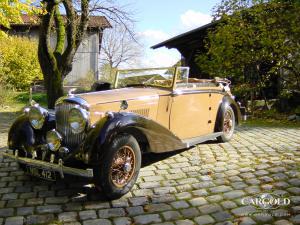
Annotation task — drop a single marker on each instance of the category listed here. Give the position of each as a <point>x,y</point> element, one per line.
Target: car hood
<point>115,95</point>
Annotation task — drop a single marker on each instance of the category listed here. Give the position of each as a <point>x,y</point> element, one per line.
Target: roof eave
<point>168,42</point>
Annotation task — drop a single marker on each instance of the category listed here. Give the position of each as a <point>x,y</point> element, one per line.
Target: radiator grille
<point>142,112</point>
<point>62,126</point>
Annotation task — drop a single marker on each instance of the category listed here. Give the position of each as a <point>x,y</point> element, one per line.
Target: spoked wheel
<point>119,169</point>
<point>123,166</point>
<point>228,125</point>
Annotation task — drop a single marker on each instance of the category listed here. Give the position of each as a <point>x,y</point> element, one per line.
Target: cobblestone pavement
<point>202,185</point>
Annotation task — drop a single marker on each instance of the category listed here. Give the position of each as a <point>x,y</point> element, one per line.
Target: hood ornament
<point>124,105</point>
<point>70,92</point>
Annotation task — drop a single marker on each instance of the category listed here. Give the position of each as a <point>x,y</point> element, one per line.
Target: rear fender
<point>227,101</point>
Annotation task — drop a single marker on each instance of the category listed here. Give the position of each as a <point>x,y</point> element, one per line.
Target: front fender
<point>21,134</point>
<point>158,138</point>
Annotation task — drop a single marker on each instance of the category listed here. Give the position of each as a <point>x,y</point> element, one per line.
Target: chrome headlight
<point>78,119</point>
<point>53,139</point>
<point>37,116</point>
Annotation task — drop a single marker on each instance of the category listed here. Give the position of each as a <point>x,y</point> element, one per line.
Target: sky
<point>159,20</point>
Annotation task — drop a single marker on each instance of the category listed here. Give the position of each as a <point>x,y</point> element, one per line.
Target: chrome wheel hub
<point>127,167</point>
<point>228,122</point>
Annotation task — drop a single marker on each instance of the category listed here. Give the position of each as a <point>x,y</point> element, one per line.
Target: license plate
<point>41,173</point>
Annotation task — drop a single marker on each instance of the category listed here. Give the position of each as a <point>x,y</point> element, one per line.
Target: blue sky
<point>158,20</point>
<point>165,14</point>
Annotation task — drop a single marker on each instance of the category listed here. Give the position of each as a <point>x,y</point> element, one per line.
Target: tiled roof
<point>94,21</point>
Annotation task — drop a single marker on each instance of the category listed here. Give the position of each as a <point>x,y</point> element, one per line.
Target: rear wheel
<point>118,171</point>
<point>228,125</point>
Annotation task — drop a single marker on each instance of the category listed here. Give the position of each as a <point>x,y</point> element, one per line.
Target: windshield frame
<point>174,76</point>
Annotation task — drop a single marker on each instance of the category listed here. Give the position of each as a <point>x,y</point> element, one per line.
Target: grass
<point>16,101</point>
<point>268,122</point>
<point>23,98</point>
<point>271,118</point>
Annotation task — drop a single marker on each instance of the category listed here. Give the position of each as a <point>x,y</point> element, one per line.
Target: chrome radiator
<point>69,138</point>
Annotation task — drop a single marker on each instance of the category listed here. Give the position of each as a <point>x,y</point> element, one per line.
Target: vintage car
<point>148,110</point>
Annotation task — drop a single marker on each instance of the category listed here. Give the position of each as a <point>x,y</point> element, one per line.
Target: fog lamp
<point>53,139</point>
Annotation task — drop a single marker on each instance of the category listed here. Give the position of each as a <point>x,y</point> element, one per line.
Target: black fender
<point>21,133</point>
<point>227,100</point>
<point>151,135</point>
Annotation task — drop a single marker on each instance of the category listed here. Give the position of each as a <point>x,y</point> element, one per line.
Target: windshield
<point>154,77</point>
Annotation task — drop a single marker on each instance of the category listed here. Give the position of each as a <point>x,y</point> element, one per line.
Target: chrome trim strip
<point>196,140</point>
<point>51,166</point>
<point>74,99</point>
<point>131,99</point>
<point>187,92</point>
<point>145,69</point>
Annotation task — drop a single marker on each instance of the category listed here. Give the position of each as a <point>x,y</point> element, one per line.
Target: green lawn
<point>16,101</point>
<point>23,98</point>
<point>268,122</point>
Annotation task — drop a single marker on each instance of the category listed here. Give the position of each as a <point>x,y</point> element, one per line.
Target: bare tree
<point>56,62</point>
<point>119,47</point>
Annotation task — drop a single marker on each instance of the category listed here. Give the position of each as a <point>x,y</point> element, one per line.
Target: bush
<point>19,64</point>
<point>6,96</point>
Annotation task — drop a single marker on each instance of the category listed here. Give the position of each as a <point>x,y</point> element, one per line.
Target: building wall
<point>86,58</point>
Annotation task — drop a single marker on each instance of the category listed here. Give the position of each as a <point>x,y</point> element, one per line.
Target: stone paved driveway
<point>202,185</point>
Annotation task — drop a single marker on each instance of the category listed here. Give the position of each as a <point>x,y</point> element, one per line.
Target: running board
<point>196,140</point>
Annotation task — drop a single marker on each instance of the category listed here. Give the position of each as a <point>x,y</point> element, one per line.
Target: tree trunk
<point>53,80</point>
<point>56,62</point>
<point>54,88</point>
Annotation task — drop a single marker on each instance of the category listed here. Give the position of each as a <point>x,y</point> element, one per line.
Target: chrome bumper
<point>60,168</point>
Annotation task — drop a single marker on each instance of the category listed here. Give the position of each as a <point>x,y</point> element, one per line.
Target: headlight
<point>53,139</point>
<point>37,116</point>
<point>78,119</point>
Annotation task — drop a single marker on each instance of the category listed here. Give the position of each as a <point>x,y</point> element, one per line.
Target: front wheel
<point>119,169</point>
<point>228,125</point>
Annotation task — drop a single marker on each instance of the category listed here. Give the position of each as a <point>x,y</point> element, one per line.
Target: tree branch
<point>45,30</point>
<point>71,34</point>
<point>81,29</point>
<point>60,32</point>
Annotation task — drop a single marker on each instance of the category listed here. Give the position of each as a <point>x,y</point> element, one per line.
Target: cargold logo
<point>266,201</point>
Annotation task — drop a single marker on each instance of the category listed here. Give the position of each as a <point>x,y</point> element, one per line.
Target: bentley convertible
<point>148,110</point>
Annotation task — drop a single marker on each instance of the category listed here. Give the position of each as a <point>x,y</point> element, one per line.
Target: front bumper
<point>60,168</point>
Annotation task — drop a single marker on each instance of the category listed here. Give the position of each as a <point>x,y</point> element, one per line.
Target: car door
<point>189,116</point>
